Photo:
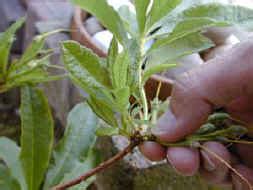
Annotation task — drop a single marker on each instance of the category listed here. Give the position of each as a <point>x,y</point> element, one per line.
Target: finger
<point>184,160</point>
<point>242,109</point>
<point>153,151</point>
<point>219,35</point>
<point>216,83</point>
<point>241,104</point>
<point>214,170</point>
<point>239,183</point>
<point>246,154</point>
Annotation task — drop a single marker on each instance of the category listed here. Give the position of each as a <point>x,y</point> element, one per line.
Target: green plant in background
<point>31,68</point>
<point>28,166</point>
<point>175,27</point>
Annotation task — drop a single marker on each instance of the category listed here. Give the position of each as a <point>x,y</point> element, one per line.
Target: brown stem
<point>98,169</point>
<point>228,165</point>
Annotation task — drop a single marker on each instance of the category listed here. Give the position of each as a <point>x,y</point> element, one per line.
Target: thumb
<point>214,84</point>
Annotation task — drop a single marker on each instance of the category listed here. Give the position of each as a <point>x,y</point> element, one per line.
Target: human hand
<point>226,81</point>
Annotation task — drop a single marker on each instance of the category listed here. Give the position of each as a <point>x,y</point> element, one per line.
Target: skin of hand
<point>225,81</point>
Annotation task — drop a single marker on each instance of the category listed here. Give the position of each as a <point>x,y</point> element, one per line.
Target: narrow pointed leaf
<point>112,55</point>
<point>113,52</point>
<point>236,15</point>
<point>134,57</point>
<point>187,27</point>
<point>37,75</point>
<point>6,41</point>
<point>103,110</point>
<point>218,13</point>
<point>119,70</point>
<point>122,96</point>
<point>172,51</point>
<point>32,51</point>
<point>129,20</point>
<point>36,137</point>
<point>160,9</point>
<point>88,72</point>
<point>156,69</point>
<point>25,69</point>
<point>78,139</point>
<point>36,47</point>
<point>141,7</point>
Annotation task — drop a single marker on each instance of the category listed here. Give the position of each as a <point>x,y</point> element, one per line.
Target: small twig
<point>158,89</point>
<point>99,168</point>
<point>227,164</point>
<point>240,142</point>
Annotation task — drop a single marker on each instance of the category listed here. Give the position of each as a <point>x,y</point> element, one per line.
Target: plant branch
<point>140,82</point>
<point>143,96</point>
<point>99,168</point>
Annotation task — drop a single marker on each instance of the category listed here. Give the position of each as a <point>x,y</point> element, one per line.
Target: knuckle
<point>187,83</point>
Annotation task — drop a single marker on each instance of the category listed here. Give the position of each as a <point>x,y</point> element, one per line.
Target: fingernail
<point>158,131</point>
<point>208,163</point>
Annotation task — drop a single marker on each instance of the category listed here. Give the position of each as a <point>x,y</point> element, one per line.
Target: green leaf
<point>122,96</point>
<point>79,138</point>
<point>36,47</point>
<point>31,75</point>
<point>141,7</point>
<point>9,153</point>
<point>32,68</point>
<point>218,13</point>
<point>156,69</point>
<point>236,15</point>
<point>33,49</point>
<point>6,41</point>
<point>134,56</point>
<point>37,135</point>
<point>187,27</point>
<point>129,20</point>
<point>108,17</point>
<point>160,9</point>
<point>107,131</point>
<point>167,23</point>
<point>84,67</point>
<point>7,182</point>
<point>103,110</point>
<point>88,72</point>
<point>183,46</point>
<point>120,70</point>
<point>37,76</point>
<point>113,52</point>
<point>112,55</point>
<point>25,69</point>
